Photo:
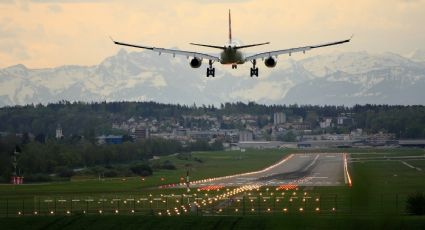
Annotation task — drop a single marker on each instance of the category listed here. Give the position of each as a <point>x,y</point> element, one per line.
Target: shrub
<point>141,170</point>
<point>415,204</point>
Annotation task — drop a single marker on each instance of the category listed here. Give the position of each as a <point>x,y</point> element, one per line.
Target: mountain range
<point>332,79</point>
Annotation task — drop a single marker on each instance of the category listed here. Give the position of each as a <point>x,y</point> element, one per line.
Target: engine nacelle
<point>270,62</point>
<point>195,62</point>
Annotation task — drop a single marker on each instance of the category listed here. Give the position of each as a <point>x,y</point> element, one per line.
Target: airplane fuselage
<point>231,56</point>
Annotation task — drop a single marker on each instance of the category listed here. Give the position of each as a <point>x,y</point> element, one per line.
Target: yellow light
<point>236,210</point>
<point>132,211</point>
<point>301,209</point>
<point>68,212</point>
<point>333,209</point>
<point>317,199</point>
<point>252,209</point>
<point>35,213</point>
<point>159,213</point>
<point>317,209</point>
<point>19,213</point>
<point>268,210</point>
<point>51,212</point>
<point>116,211</point>
<point>285,209</point>
<point>100,211</point>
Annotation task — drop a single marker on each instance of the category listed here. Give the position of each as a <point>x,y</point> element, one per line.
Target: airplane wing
<point>292,50</point>
<point>171,51</point>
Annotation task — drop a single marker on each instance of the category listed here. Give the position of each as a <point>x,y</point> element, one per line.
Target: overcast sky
<point>48,33</point>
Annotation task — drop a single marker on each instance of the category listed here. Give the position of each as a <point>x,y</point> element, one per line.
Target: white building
<point>279,118</point>
<point>245,136</point>
<point>325,123</point>
<point>59,134</point>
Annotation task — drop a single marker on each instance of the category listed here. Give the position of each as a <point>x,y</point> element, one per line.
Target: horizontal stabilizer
<point>210,46</point>
<point>246,46</point>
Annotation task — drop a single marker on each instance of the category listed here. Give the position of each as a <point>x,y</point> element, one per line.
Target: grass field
<point>214,164</point>
<point>214,222</point>
<point>376,199</point>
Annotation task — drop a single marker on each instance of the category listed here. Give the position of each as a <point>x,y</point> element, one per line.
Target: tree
<point>141,170</point>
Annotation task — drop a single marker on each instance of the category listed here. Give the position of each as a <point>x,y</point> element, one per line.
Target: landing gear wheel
<point>210,69</point>
<point>211,72</point>
<point>234,66</point>
<point>254,70</point>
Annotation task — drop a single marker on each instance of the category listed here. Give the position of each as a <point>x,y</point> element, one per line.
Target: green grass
<point>226,222</point>
<point>214,164</point>
<point>376,200</point>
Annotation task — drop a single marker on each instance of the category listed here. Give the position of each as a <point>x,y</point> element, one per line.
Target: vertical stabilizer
<point>230,28</point>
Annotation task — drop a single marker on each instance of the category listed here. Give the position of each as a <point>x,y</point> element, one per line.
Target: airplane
<point>231,53</point>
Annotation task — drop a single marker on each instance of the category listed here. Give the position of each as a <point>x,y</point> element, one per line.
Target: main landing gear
<point>254,70</point>
<point>234,66</point>
<point>210,69</point>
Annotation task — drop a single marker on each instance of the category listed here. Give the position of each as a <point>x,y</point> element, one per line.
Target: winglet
<point>112,40</point>
<point>351,37</point>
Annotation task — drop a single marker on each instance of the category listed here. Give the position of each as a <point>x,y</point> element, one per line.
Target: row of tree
<point>89,119</point>
<point>63,156</point>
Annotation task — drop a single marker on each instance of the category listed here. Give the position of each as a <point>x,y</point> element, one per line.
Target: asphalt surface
<point>321,169</point>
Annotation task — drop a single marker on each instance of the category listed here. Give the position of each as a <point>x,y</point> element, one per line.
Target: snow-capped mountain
<point>344,78</point>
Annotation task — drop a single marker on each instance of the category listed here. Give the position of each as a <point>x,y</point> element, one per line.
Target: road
<point>320,169</point>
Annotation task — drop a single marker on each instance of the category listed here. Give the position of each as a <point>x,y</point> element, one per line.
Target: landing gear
<point>234,66</point>
<point>210,69</point>
<point>254,70</point>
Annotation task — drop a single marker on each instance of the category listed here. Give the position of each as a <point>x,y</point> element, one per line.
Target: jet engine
<point>270,62</point>
<point>195,62</point>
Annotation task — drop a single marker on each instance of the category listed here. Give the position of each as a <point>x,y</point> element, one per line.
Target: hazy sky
<point>47,33</point>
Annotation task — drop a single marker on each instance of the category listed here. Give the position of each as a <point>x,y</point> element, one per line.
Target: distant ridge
<point>335,79</point>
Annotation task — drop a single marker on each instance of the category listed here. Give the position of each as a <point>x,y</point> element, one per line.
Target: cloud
<point>57,32</point>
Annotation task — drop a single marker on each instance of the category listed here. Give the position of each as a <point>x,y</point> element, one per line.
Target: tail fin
<point>230,28</point>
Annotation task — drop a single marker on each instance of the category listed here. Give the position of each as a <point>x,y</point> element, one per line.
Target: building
<point>59,134</point>
<point>141,133</point>
<point>110,139</point>
<point>245,136</point>
<point>342,120</point>
<point>279,118</point>
<point>325,123</point>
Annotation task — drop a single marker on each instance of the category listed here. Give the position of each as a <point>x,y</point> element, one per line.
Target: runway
<point>320,169</point>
